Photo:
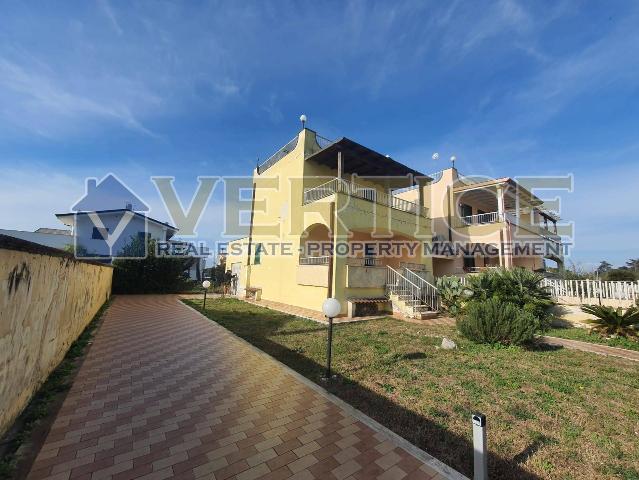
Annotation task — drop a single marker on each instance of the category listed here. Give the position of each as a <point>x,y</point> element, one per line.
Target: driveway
<point>166,393</point>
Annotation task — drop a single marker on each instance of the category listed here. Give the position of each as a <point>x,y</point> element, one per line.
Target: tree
<point>620,275</point>
<point>633,264</point>
<point>219,270</point>
<point>604,267</point>
<point>152,274</point>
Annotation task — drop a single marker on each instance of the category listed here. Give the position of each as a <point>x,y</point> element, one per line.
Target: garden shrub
<point>497,321</point>
<point>152,274</point>
<point>517,286</point>
<point>611,321</point>
<point>452,293</point>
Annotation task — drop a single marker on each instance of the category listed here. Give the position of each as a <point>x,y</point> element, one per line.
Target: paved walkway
<point>166,393</point>
<point>592,348</point>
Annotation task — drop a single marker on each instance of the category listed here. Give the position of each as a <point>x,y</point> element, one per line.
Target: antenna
<point>452,160</point>
<point>303,120</point>
<point>435,156</point>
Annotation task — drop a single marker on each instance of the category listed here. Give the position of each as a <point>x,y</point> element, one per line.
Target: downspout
<point>250,240</point>
<point>332,254</point>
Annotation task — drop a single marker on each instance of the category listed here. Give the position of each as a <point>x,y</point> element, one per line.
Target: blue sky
<point>205,88</point>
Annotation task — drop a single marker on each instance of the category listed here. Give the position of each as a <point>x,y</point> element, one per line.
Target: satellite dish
<point>435,156</point>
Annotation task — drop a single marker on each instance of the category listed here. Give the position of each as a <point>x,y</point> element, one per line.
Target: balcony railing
<point>416,267</point>
<point>324,260</point>
<point>353,261</point>
<point>364,262</point>
<point>277,156</point>
<point>337,185</point>
<point>480,219</point>
<point>495,217</point>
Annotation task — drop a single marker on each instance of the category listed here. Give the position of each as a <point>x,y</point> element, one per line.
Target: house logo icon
<point>109,221</point>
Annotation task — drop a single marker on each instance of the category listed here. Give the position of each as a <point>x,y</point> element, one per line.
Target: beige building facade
<point>337,219</point>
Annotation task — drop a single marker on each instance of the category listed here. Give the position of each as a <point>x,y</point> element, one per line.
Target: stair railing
<point>429,294</point>
<point>396,283</point>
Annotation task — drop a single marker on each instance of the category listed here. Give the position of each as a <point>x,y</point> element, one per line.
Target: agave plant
<point>453,293</point>
<point>613,321</point>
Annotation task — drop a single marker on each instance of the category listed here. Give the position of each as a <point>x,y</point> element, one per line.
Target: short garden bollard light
<point>331,308</point>
<point>205,284</point>
<point>480,460</point>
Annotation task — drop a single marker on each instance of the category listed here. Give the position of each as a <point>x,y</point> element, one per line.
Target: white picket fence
<point>590,291</point>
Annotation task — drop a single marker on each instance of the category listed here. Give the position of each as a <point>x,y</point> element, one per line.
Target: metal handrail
<point>496,217</point>
<point>398,284</point>
<point>364,262</point>
<point>337,185</point>
<point>480,219</point>
<point>323,260</point>
<point>323,142</point>
<point>277,156</point>
<point>420,267</point>
<point>429,294</point>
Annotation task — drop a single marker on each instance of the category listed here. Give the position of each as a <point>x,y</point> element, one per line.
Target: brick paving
<point>592,348</point>
<point>166,393</point>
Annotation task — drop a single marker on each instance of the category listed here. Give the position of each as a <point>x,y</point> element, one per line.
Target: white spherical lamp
<point>331,307</point>
<point>206,284</point>
<point>303,120</point>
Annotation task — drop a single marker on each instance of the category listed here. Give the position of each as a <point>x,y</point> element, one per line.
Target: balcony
<point>496,217</point>
<point>480,219</point>
<point>354,190</point>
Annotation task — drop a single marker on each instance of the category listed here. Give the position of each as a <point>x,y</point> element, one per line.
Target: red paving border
<point>166,393</point>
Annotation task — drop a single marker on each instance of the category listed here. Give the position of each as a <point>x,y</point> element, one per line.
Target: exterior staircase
<point>410,294</point>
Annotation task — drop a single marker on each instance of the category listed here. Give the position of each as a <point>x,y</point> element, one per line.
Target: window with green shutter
<point>258,253</point>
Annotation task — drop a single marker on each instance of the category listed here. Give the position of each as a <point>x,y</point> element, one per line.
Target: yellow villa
<point>338,219</point>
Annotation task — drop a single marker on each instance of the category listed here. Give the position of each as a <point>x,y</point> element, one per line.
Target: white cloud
<point>30,198</point>
<point>35,101</point>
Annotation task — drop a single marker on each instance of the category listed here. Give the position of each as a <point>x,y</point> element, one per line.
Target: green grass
<point>39,408</point>
<point>552,413</point>
<point>583,335</point>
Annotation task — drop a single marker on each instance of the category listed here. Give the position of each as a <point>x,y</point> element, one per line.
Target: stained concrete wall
<point>47,298</point>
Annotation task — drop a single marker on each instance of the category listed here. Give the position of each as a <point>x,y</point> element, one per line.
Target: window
<point>469,263</point>
<point>369,255</point>
<point>258,253</point>
<point>100,233</point>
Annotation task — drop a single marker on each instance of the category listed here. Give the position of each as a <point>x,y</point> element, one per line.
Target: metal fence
<point>324,260</point>
<point>589,291</point>
<point>337,185</point>
<point>277,156</point>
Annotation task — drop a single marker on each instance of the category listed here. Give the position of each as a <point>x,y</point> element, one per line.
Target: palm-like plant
<point>518,286</point>
<point>613,321</point>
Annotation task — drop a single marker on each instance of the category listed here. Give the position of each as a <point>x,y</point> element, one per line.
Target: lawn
<point>583,335</point>
<point>552,413</point>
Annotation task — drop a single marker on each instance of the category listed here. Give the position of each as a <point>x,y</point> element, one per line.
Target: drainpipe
<point>332,255</point>
<point>250,240</point>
